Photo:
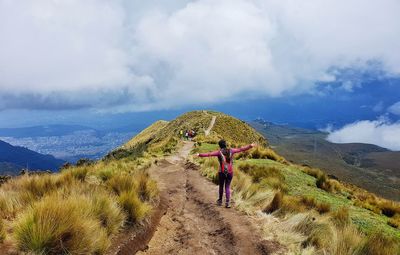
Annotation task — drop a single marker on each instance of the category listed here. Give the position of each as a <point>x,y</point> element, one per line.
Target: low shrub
<point>379,243</point>
<point>85,162</point>
<point>133,206</point>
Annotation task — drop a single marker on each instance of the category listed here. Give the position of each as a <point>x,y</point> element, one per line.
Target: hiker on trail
<point>181,134</point>
<point>186,135</point>
<point>225,172</point>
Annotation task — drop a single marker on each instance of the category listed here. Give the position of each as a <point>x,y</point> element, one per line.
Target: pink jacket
<point>218,154</point>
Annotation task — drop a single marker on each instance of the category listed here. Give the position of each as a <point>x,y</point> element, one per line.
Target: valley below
<point>369,166</point>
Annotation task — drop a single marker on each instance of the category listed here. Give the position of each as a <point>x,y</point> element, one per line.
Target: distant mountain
<point>46,130</point>
<point>369,166</point>
<point>14,158</point>
<point>67,142</point>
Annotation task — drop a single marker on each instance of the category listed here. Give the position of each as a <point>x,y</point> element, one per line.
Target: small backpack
<point>224,162</point>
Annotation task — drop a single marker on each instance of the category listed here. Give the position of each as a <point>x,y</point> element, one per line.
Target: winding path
<point>207,132</point>
<point>192,223</point>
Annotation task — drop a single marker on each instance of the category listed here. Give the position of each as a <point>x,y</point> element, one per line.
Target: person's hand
<point>253,145</point>
<point>197,155</point>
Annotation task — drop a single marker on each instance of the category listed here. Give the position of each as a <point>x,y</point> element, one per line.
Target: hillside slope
<point>368,166</point>
<point>14,158</point>
<point>162,136</point>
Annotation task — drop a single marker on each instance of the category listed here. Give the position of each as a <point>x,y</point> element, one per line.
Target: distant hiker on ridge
<point>225,172</point>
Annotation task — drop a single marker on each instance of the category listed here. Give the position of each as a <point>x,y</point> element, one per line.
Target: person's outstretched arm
<point>244,148</point>
<point>209,154</point>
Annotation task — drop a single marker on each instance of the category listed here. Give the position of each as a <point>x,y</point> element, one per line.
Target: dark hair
<point>222,144</point>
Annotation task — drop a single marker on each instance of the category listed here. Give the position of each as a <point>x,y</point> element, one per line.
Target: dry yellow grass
<point>146,135</point>
<point>59,213</point>
<point>59,226</point>
<point>2,231</point>
<point>380,244</point>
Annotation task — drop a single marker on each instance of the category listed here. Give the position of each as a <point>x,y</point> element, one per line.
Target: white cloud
<point>395,108</point>
<point>134,55</point>
<point>379,132</point>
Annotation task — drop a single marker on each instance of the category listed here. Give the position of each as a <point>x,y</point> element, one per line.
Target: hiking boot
<point>219,202</point>
<point>227,205</point>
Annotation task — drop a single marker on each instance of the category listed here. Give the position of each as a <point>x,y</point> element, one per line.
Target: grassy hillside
<point>307,211</point>
<point>368,166</point>
<point>162,137</point>
<point>76,211</point>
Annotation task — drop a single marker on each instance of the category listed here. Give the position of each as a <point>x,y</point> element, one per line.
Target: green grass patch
<point>302,184</point>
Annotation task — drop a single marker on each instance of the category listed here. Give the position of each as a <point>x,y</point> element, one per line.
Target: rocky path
<point>192,223</point>
<point>207,132</point>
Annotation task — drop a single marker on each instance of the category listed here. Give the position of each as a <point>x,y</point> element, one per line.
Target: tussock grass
<point>379,243</point>
<point>389,208</point>
<point>275,204</point>
<point>261,153</point>
<point>320,235</point>
<point>395,222</point>
<point>348,240</point>
<point>57,226</point>
<point>80,209</point>
<point>2,231</point>
<point>311,203</point>
<point>136,209</point>
<point>341,217</point>
<point>106,210</point>
<point>122,182</point>
<point>315,172</point>
<point>106,173</point>
<point>259,172</point>
<point>78,173</point>
<point>210,169</point>
<point>146,188</point>
<point>324,183</point>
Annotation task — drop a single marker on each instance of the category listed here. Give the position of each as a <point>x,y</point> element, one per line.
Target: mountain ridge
<point>15,158</point>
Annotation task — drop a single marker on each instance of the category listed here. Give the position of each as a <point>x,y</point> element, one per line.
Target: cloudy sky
<point>134,56</point>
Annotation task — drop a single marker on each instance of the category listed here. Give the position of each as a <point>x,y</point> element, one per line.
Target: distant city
<point>78,144</point>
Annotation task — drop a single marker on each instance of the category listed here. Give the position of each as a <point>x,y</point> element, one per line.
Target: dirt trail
<point>207,132</point>
<point>192,223</point>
